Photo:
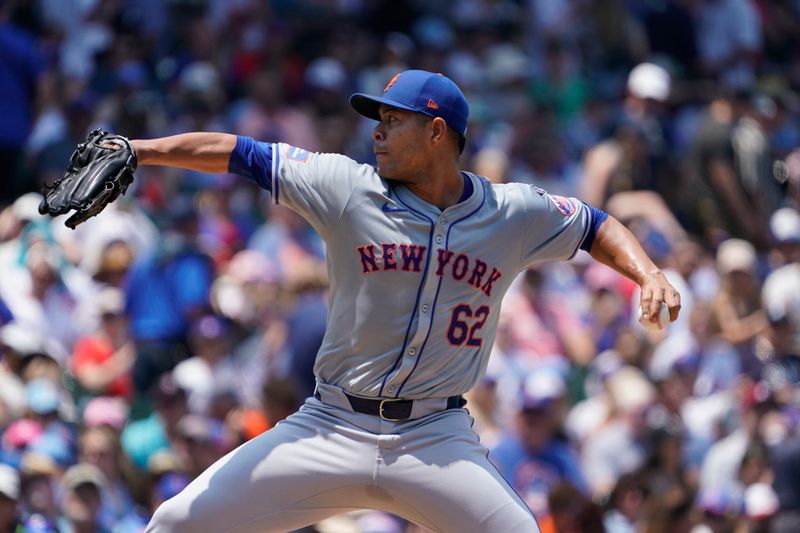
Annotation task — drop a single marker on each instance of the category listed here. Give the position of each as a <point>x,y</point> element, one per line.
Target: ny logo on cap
<point>391,82</point>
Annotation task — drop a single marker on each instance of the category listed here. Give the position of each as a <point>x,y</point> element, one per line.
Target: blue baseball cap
<point>421,91</point>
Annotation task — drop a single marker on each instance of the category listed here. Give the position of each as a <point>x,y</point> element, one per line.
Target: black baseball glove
<point>97,174</point>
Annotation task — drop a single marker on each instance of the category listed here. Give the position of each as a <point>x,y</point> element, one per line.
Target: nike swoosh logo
<point>386,208</point>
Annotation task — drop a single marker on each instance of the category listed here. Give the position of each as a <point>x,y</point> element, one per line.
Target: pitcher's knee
<point>169,518</point>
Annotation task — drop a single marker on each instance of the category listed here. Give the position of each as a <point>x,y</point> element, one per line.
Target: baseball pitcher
<point>420,255</point>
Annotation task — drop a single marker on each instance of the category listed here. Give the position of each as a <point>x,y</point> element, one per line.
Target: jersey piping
<point>276,164</point>
<point>419,293</point>
<point>436,296</point>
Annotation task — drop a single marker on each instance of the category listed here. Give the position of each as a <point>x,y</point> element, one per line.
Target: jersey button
<point>391,388</point>
<point>425,308</point>
<point>443,220</point>
<point>439,239</point>
<point>412,351</point>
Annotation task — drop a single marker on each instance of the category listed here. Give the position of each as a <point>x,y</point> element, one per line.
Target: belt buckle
<point>380,411</point>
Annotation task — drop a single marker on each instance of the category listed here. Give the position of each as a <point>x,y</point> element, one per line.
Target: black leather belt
<point>391,410</point>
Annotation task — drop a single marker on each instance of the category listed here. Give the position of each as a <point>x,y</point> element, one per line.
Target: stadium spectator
<point>101,362</point>
<point>9,497</point>
<point>164,291</point>
<point>532,457</point>
<point>680,117</point>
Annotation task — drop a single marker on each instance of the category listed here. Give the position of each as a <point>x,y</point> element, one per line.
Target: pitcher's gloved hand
<point>99,170</point>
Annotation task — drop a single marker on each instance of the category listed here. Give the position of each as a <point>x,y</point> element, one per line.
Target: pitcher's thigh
<point>442,480</point>
<point>293,475</point>
<point>464,496</point>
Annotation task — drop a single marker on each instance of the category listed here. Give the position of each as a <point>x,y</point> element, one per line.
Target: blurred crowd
<point>184,320</point>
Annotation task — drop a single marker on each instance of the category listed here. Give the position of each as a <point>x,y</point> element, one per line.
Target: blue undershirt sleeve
<point>598,217</point>
<point>253,160</point>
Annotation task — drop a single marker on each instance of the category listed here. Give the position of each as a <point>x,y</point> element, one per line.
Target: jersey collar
<point>466,205</point>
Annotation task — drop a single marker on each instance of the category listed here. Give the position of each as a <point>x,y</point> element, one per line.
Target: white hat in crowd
<point>648,80</point>
<point>760,501</point>
<point>9,482</point>
<point>736,255</point>
<point>785,225</point>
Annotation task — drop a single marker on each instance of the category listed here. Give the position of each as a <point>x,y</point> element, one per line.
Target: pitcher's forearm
<point>616,247</point>
<point>203,152</point>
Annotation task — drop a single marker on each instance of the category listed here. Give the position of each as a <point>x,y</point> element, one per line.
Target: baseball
<point>663,319</point>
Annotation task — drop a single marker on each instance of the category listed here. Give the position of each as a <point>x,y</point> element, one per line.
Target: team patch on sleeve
<point>564,205</point>
<point>297,154</point>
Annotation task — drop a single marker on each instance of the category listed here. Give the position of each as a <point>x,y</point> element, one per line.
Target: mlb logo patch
<point>297,154</point>
<point>539,190</point>
<point>564,205</point>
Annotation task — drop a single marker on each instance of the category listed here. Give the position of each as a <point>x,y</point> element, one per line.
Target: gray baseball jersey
<point>415,291</point>
<point>414,303</point>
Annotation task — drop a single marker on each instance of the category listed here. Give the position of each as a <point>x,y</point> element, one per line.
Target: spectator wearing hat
<point>83,488</point>
<point>780,293</point>
<point>143,438</point>
<point>619,446</point>
<point>39,296</point>
<point>633,165</point>
<point>209,369</point>
<point>164,292</point>
<point>9,499</point>
<point>101,362</point>
<point>533,458</point>
<point>737,307</point>
<point>38,492</point>
<point>100,447</point>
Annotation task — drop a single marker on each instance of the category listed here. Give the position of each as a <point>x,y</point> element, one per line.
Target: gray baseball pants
<point>326,460</point>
